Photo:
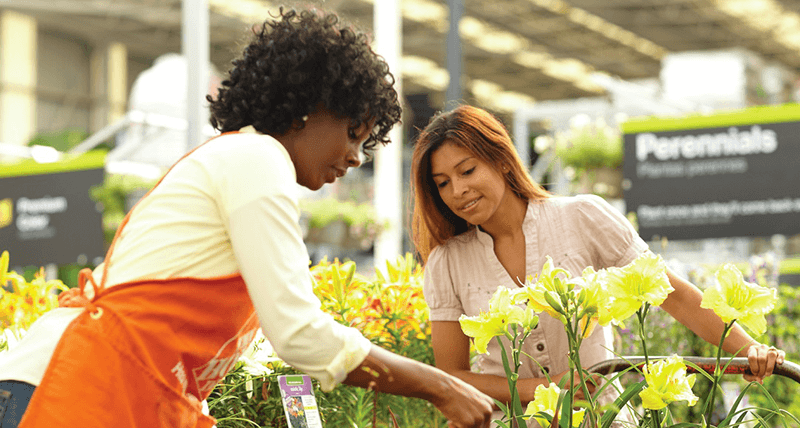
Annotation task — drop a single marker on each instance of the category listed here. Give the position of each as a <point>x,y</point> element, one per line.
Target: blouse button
<point>540,347</point>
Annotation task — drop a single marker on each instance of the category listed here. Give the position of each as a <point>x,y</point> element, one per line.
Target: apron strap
<point>76,298</point>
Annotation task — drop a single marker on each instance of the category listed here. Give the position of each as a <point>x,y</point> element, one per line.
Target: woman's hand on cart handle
<point>762,359</point>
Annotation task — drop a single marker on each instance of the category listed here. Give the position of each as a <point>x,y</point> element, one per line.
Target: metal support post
<point>454,58</point>
<point>195,50</point>
<point>388,192</point>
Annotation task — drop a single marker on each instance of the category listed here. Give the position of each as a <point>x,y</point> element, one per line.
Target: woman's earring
<point>305,118</point>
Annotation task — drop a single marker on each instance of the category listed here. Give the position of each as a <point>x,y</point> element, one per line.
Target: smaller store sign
<point>714,176</point>
<point>46,214</point>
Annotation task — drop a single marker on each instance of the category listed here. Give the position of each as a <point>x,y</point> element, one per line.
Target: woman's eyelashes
<point>469,171</point>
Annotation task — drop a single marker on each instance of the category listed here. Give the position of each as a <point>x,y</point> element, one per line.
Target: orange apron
<point>143,354</point>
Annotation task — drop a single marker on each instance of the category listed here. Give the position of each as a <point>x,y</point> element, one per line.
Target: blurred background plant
<point>344,223</point>
<point>62,140</point>
<point>117,195</point>
<point>589,144</point>
<point>591,153</point>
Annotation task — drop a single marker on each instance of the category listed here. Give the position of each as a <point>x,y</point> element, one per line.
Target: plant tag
<point>299,404</point>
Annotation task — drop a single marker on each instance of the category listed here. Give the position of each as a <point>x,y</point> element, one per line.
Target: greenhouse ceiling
<point>515,51</point>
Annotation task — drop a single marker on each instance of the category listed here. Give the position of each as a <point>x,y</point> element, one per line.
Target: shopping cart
<point>737,365</point>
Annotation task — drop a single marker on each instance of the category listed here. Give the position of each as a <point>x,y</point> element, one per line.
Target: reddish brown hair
<point>479,132</point>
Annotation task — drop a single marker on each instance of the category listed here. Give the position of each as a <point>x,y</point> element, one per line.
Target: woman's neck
<point>507,220</point>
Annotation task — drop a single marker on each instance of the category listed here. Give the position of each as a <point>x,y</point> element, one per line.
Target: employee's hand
<point>464,406</point>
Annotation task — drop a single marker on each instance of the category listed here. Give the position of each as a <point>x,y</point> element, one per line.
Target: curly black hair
<point>298,62</point>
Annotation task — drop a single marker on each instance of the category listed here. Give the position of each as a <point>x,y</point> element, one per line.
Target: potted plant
<point>592,154</point>
<point>342,223</point>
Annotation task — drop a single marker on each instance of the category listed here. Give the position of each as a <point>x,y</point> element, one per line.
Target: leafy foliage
<point>113,195</point>
<point>389,310</point>
<point>590,144</point>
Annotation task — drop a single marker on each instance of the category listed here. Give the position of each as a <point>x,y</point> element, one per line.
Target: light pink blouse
<point>576,231</point>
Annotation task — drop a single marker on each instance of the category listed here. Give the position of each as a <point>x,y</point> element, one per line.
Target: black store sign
<point>714,182</point>
<point>50,218</point>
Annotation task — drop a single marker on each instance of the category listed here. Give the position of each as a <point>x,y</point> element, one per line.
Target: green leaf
<point>516,404</point>
<point>630,392</point>
<point>732,412</point>
<point>350,272</point>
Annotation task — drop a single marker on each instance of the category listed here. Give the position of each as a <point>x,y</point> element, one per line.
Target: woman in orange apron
<point>215,250</point>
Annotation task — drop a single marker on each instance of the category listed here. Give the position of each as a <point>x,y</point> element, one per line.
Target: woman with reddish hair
<point>480,221</point>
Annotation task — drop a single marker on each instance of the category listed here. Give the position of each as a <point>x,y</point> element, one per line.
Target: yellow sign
<point>6,212</point>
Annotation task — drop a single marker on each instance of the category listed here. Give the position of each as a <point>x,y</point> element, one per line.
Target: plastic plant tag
<point>299,404</point>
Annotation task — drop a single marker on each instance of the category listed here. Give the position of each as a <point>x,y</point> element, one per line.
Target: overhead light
<point>765,16</point>
<point>493,96</point>
<point>599,25</point>
<point>498,41</point>
<point>426,11</point>
<point>245,10</point>
<point>423,11</point>
<point>491,39</point>
<point>425,72</point>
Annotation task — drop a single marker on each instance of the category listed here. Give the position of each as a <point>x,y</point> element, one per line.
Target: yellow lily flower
<point>10,302</point>
<point>733,298</point>
<point>3,267</point>
<point>593,300</point>
<point>643,280</point>
<point>6,276</point>
<point>667,382</point>
<point>548,282</point>
<point>502,313</point>
<point>545,400</point>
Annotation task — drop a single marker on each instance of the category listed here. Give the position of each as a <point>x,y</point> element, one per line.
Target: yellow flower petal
<point>545,400</point>
<point>502,313</point>
<point>667,382</point>
<point>732,298</point>
<point>644,280</point>
<point>651,399</point>
<point>3,267</point>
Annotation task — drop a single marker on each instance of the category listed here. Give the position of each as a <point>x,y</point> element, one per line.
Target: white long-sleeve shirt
<point>228,207</point>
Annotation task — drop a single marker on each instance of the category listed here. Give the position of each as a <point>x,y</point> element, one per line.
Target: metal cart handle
<point>738,365</point>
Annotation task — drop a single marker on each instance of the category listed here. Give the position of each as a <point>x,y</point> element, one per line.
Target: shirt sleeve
<point>607,233</point>
<point>439,288</point>
<point>267,241</point>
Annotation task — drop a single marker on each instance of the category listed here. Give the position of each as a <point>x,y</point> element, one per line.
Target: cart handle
<point>738,365</point>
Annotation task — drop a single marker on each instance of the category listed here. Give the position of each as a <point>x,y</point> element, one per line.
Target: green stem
<point>642,315</point>
<point>571,393</point>
<point>575,344</point>
<point>717,373</point>
<point>514,406</point>
<point>586,392</point>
